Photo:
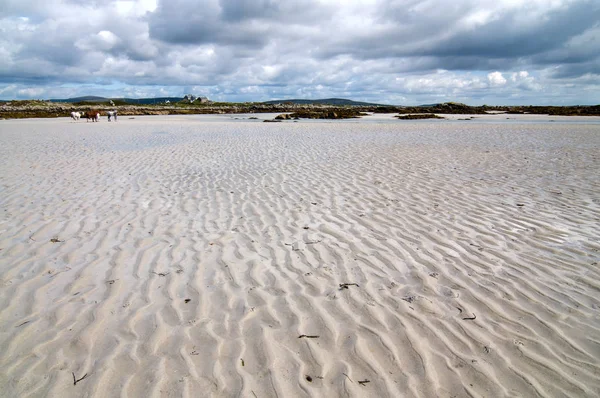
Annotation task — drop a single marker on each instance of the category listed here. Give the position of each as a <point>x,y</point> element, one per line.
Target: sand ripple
<point>175,257</point>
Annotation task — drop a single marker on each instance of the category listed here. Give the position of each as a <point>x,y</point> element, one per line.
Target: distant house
<point>191,98</point>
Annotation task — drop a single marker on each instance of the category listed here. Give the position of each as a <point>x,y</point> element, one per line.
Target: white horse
<point>75,115</point>
<point>112,114</point>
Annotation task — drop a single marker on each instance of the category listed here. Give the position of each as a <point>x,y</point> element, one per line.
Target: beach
<point>217,255</point>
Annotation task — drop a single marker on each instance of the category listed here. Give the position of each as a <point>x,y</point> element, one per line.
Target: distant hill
<point>148,101</point>
<point>327,101</point>
<point>87,98</point>
<point>141,101</point>
<point>160,100</point>
<point>458,104</point>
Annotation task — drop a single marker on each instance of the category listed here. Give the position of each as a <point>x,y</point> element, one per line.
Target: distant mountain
<point>162,100</point>
<point>141,101</point>
<point>148,101</point>
<point>455,104</point>
<point>88,98</point>
<point>327,101</point>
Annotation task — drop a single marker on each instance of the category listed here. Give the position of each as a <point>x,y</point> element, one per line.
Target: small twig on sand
<point>22,324</point>
<point>348,377</point>
<point>161,273</point>
<point>56,240</point>
<point>75,380</point>
<point>470,318</point>
<point>308,336</point>
<point>345,285</point>
<point>60,272</point>
<point>363,382</point>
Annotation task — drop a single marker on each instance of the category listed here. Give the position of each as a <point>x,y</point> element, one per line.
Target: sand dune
<point>191,256</point>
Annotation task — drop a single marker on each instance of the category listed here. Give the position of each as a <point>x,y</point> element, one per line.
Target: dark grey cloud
<point>511,36</point>
<point>461,41</point>
<point>243,23</point>
<point>239,10</point>
<point>577,69</point>
<point>184,22</point>
<point>404,51</point>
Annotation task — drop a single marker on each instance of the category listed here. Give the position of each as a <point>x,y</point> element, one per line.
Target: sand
<point>193,256</point>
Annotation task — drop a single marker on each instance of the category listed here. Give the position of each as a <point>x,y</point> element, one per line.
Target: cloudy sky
<point>388,51</point>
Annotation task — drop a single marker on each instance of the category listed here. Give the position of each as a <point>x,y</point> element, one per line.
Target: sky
<point>402,52</point>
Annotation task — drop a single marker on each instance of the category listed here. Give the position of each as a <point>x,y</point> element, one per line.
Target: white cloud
<point>131,8</point>
<point>376,50</point>
<point>496,79</point>
<point>31,92</point>
<point>102,41</point>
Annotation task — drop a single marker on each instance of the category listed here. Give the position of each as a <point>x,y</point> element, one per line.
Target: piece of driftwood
<point>345,285</point>
<point>76,380</point>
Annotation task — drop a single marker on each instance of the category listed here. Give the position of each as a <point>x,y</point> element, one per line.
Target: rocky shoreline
<point>44,109</point>
<point>16,110</point>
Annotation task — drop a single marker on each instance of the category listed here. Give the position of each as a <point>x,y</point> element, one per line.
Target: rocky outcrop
<point>336,113</point>
<point>284,116</point>
<point>419,116</point>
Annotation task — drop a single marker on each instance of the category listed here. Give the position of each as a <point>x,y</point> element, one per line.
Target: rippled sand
<point>188,256</point>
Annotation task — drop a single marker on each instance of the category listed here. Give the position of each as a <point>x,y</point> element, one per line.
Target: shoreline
<point>42,109</point>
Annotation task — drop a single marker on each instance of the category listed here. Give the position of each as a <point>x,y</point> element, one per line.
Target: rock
<point>419,116</point>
